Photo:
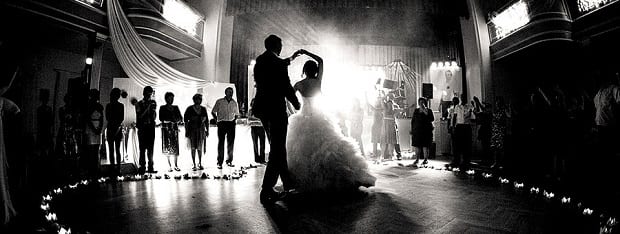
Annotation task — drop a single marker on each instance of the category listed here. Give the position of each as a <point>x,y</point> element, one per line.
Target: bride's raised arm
<point>319,60</point>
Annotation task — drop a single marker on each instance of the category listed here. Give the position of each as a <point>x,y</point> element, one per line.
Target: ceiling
<point>394,25</point>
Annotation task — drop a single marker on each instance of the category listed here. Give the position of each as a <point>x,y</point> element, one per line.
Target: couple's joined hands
<point>298,52</point>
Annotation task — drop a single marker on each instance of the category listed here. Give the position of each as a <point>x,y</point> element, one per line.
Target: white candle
<point>565,200</point>
<point>51,217</point>
<point>64,231</point>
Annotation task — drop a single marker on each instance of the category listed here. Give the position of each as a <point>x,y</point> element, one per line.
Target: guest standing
<point>225,112</point>
<point>422,130</point>
<point>390,132</point>
<point>483,120</point>
<point>498,131</point>
<point>145,122</point>
<point>357,124</point>
<point>92,133</point>
<point>196,129</point>
<point>258,136</point>
<point>67,139</point>
<point>461,137</point>
<point>115,114</point>
<point>170,117</point>
<point>376,132</point>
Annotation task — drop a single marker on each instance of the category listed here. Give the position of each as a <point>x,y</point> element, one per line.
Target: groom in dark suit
<point>272,87</point>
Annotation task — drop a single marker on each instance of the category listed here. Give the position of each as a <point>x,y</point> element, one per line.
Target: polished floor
<point>404,200</point>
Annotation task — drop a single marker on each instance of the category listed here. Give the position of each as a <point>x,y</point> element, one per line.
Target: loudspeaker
<point>427,90</point>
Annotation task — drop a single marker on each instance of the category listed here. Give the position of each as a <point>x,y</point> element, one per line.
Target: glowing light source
<point>518,185</point>
<point>548,194</point>
<point>51,217</point>
<point>253,62</point>
<point>433,65</point>
<point>64,231</point>
<point>565,200</point>
<point>97,3</point>
<point>440,64</point>
<point>181,15</point>
<point>587,211</point>
<point>89,61</point>
<point>509,20</point>
<point>588,5</point>
<point>454,64</point>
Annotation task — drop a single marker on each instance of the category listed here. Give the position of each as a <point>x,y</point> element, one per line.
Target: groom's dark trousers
<point>276,129</point>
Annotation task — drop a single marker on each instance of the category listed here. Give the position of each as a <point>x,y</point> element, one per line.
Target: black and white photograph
<point>309,116</point>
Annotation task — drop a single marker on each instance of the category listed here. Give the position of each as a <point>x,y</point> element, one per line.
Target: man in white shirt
<point>460,119</point>
<point>225,112</point>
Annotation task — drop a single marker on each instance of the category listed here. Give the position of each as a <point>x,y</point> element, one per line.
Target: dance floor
<point>405,199</point>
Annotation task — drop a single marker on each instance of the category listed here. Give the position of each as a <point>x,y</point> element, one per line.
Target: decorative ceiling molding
<point>434,7</point>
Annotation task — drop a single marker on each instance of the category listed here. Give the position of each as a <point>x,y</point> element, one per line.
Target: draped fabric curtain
<point>140,64</point>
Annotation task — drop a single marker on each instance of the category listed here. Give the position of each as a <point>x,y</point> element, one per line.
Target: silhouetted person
<point>357,124</point>
<point>461,133</point>
<point>272,87</point>
<point>422,130</point>
<point>145,122</point>
<point>115,114</point>
<point>92,133</point>
<point>258,137</point>
<point>196,129</point>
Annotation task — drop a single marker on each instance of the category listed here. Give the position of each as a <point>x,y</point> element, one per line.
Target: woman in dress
<point>170,117</point>
<point>196,129</point>
<point>390,131</point>
<point>320,158</point>
<point>422,130</point>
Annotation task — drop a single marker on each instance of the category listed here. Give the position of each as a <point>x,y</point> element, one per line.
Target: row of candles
<point>47,199</point>
<point>607,224</point>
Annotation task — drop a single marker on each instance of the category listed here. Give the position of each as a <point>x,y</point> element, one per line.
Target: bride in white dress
<point>320,158</point>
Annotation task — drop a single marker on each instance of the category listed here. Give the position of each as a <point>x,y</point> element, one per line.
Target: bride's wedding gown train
<point>320,157</point>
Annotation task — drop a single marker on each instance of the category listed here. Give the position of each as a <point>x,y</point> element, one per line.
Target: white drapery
<point>140,64</point>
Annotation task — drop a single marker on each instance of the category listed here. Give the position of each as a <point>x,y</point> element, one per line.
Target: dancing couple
<point>320,158</point>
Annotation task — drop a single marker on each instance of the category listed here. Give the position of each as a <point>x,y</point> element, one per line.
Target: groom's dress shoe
<point>268,197</point>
